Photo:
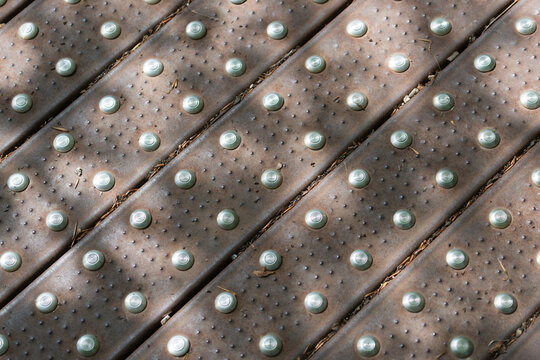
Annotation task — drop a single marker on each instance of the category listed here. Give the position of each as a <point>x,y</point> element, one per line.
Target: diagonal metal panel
<point>9,7</point>
<point>526,346</point>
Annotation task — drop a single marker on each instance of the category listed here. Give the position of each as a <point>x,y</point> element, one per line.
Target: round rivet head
<point>152,67</point>
<point>193,104</point>
<point>56,220</point>
<point>315,64</point>
<point>4,344</point>
<point>182,260</point>
<point>273,101</point>
<point>404,219</point>
<point>368,346</point>
<point>399,63</point>
<point>225,302</point>
<point>530,99</point>
<point>461,347</point>
<point>10,261</point>
<point>87,345</point>
<point>276,30</point>
<point>270,260</point>
<point>72,1</point>
<point>21,103</point>
<point>185,179</point>
<point>46,302</point>
<point>110,30</point>
<point>400,139</point>
<point>357,101</point>
<point>484,63</point>
<point>443,101</point>
<point>500,218</point>
<point>457,259</point>
<point>413,302</point>
<point>314,140</point>
<point>18,182</point>
<point>63,142</point>
<point>152,2</point>
<point>505,303</point>
<point>535,177</point>
<point>237,2</point>
<point>103,181</point>
<point>361,259</point>
<point>440,26</point>
<point>235,67</point>
<point>270,345</point>
<point>66,66</point>
<point>2,3</point>
<point>271,178</point>
<point>28,31</point>
<point>320,1</point>
<point>488,138</point>
<point>315,218</point>
<point>525,26</point>
<point>227,219</point>
<point>195,30</point>
<point>178,345</point>
<point>446,178</point>
<point>357,28</point>
<point>315,302</point>
<point>140,219</point>
<point>359,178</point>
<point>93,260</point>
<point>109,104</point>
<point>230,140</point>
<point>149,141</point>
<point>135,302</point>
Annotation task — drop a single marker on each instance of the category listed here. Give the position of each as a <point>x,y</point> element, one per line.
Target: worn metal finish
<point>9,8</point>
<point>526,346</point>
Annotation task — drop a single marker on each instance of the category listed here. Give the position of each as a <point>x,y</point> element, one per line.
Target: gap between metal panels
<point>498,347</point>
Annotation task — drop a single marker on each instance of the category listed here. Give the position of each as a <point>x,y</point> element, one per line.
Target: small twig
<point>174,86</point>
<point>222,288</point>
<point>440,355</point>
<point>74,235</point>
<point>414,150</point>
<point>263,273</point>
<point>504,270</point>
<point>77,182</point>
<point>208,16</point>
<point>59,128</point>
<point>428,41</point>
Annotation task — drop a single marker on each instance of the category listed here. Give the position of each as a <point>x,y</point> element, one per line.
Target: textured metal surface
<point>460,302</point>
<point>528,345</point>
<point>11,7</point>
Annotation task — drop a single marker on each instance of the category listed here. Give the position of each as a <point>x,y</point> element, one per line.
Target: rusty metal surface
<point>528,344</point>
<point>9,8</point>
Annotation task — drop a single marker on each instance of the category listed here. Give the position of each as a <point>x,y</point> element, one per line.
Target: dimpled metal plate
<point>460,302</point>
<point>10,8</point>
<point>110,142</point>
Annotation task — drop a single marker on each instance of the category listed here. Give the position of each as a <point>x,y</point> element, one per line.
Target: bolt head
<point>56,220</point>
<point>461,347</point>
<point>368,346</point>
<point>399,63</point>
<point>225,302</point>
<point>63,142</point>
<point>46,302</point>
<point>525,26</point>
<point>87,345</point>
<point>484,63</point>
<point>182,260</point>
<point>185,179</point>
<point>103,181</point>
<point>21,103</point>
<point>446,178</point>
<point>135,302</point>
<point>28,31</point>
<point>140,219</point>
<point>235,67</point>
<point>315,64</point>
<point>110,30</point>
<point>357,28</point>
<point>315,218</point>
<point>227,219</point>
<point>413,302</point>
<point>457,259</point>
<point>273,101</point>
<point>359,178</point>
<point>535,177</point>
<point>66,66</point>
<point>270,345</point>
<point>530,99</point>
<point>109,104</point>
<point>152,67</point>
<point>4,344</point>
<point>193,104</point>
<point>505,303</point>
<point>230,140</point>
<point>18,182</point>
<point>404,219</point>
<point>93,260</point>
<point>10,261</point>
<point>276,30</point>
<point>178,345</point>
<point>401,139</point>
<point>500,218</point>
<point>195,30</point>
<point>270,260</point>
<point>271,178</point>
<point>149,141</point>
<point>443,101</point>
<point>357,101</point>
<point>488,138</point>
<point>315,302</point>
<point>440,26</point>
<point>361,259</point>
<point>314,140</point>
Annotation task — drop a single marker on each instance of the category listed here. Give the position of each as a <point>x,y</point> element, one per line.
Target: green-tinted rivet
<point>399,63</point>
<point>72,1</point>
<point>357,28</point>
<point>446,178</point>
<point>28,31</point>
<point>66,66</point>
<point>178,345</point>
<point>270,260</point>
<point>235,67</point>
<point>315,64</point>
<point>538,258</point>
<point>140,219</point>
<point>103,181</point>
<point>535,177</point>
<point>2,3</point>
<point>21,103</point>
<point>225,302</point>
<point>400,139</point>
<point>270,345</point>
<point>185,179</point>
<point>193,104</point>
<point>413,302</point>
<point>505,303</point>
<point>152,67</point>
<point>46,302</point>
<point>87,345</point>
<point>440,26</point>
<point>110,30</point>
<point>368,346</point>
<point>182,260</point>
<point>357,101</point>
<point>10,261</point>
<point>457,259</point>
<point>18,182</point>
<point>271,178</point>
<point>404,219</point>
<point>276,30</point>
<point>359,178</point>
<point>314,140</point>
<point>195,30</point>
<point>135,302</point>
<point>4,344</point>
<point>320,1</point>
<point>500,218</point>
<point>93,260</point>
<point>63,142</point>
<point>488,138</point>
<point>152,2</point>
<point>109,104</point>
<point>484,63</point>
<point>272,101</point>
<point>227,219</point>
<point>315,218</point>
<point>525,26</point>
<point>230,140</point>
<point>530,99</point>
<point>461,347</point>
<point>443,101</point>
<point>361,259</point>
<point>237,2</point>
<point>315,302</point>
<point>149,141</point>
<point>56,220</point>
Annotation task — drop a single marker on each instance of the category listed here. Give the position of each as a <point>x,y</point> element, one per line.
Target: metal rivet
<point>63,142</point>
<point>276,30</point>
<point>361,259</point>
<point>270,345</point>
<point>2,3</point>
<point>443,101</point>
<point>103,181</point>
<point>357,28</point>
<point>72,1</point>
<point>525,26</point>
<point>359,178</point>
<point>413,302</point>
<point>357,101</point>
<point>135,302</point>
<point>225,302</point>
<point>368,346</point>
<point>270,260</point>
<point>195,30</point>
<point>400,139</point>
<point>530,99</point>
<point>484,63</point>
<point>21,103</point>
<point>538,258</point>
<point>152,2</point>
<point>227,219</point>
<point>110,30</point>
<point>315,64</point>
<point>505,303</point>
<point>461,347</point>
<point>56,220</point>
<point>46,302</point>
<point>457,259</point>
<point>315,218</point>
<point>140,219</point>
<point>93,260</point>
<point>320,1</point>
<point>237,2</point>
<point>440,26</point>
<point>446,178</point>
<point>152,67</point>
<point>235,67</point>
<point>315,302</point>
<point>182,260</point>
<point>10,261</point>
<point>399,63</point>
<point>185,179</point>
<point>18,182</point>
<point>535,177</point>
<point>4,344</point>
<point>178,345</point>
<point>87,345</point>
<point>193,104</point>
<point>404,219</point>
<point>230,140</point>
<point>314,140</point>
<point>65,66</point>
<point>109,104</point>
<point>500,218</point>
<point>273,101</point>
<point>28,31</point>
<point>271,178</point>
<point>149,141</point>
<point>488,138</point>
